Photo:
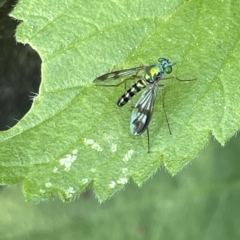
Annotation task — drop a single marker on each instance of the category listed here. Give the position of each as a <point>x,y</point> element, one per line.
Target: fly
<point>143,109</point>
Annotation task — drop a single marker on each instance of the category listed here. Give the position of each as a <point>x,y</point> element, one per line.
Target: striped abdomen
<point>136,87</point>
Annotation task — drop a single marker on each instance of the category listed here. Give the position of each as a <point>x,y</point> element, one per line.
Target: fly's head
<point>166,65</point>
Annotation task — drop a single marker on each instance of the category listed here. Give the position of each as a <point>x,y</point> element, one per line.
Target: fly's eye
<point>161,59</point>
<point>168,69</point>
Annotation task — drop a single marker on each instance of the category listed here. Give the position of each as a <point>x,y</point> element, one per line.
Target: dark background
<point>20,70</point>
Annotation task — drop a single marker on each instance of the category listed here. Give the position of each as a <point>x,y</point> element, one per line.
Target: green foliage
<point>200,203</point>
<point>74,135</point>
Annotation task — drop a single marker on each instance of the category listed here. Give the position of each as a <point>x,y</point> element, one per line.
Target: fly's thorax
<point>153,73</point>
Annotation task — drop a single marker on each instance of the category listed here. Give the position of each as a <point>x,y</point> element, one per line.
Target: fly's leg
<point>129,78</point>
<point>163,106</point>
<point>179,79</point>
<point>148,140</point>
<point>185,80</point>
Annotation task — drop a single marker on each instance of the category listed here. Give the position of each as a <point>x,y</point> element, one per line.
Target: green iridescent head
<point>166,65</point>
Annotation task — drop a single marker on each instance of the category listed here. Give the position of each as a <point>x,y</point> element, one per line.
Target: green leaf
<point>75,135</point>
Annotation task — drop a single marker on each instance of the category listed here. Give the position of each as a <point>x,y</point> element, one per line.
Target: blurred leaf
<point>74,135</point>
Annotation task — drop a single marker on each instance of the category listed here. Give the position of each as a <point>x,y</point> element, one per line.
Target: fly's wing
<point>119,74</point>
<point>142,112</point>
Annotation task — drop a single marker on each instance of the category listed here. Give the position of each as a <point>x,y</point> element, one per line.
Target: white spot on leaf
<point>69,192</point>
<point>128,155</point>
<point>113,147</point>
<point>84,181</point>
<point>124,170</point>
<point>75,151</point>
<point>122,181</point>
<point>92,143</point>
<point>68,160</point>
<point>48,185</point>
<point>112,184</point>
